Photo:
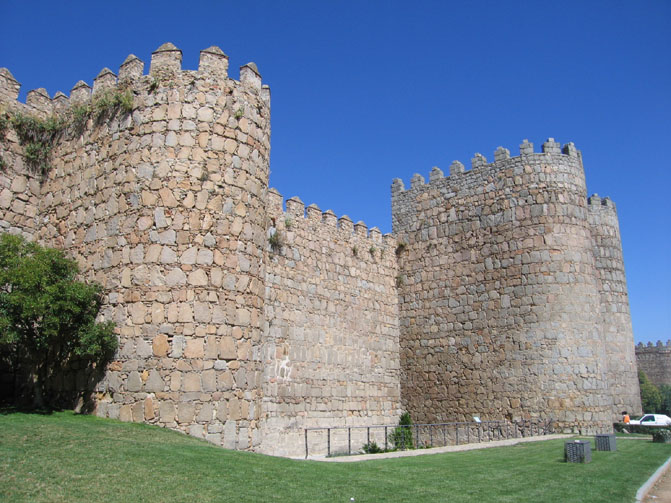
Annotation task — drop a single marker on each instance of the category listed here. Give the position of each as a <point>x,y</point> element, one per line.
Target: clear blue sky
<point>363,92</point>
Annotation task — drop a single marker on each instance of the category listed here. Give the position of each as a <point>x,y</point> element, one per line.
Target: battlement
<point>650,347</point>
<point>479,164</point>
<point>166,64</point>
<point>293,212</point>
<point>596,203</point>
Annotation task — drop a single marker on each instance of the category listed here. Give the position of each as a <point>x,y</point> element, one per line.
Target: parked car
<point>652,420</point>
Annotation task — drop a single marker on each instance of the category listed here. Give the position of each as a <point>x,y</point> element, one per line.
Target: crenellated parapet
<point>165,65</point>
<point>479,164</point>
<point>552,170</point>
<point>288,216</point>
<point>651,347</point>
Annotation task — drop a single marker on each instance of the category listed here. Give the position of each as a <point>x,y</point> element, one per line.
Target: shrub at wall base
<point>47,318</point>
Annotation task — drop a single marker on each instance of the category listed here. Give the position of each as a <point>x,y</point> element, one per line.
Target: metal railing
<point>338,440</point>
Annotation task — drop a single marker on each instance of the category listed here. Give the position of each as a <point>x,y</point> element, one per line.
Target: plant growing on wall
<point>275,241</point>
<point>37,136</point>
<point>47,317</point>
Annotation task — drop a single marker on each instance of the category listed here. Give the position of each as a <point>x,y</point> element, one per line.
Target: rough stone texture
<point>615,323</point>
<point>501,294</point>
<point>655,361</point>
<point>331,348</point>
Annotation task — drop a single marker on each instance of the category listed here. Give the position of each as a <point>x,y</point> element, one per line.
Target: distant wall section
<point>655,361</point>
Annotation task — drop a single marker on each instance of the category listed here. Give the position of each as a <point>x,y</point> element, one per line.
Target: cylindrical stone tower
<point>499,305</point>
<point>158,187</point>
<point>616,331</point>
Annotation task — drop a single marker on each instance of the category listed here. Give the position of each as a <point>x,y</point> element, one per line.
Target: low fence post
<point>306,443</point>
<point>385,438</point>
<point>430,435</point>
<point>444,436</point>
<point>368,436</point>
<point>349,440</point>
<point>456,429</point>
<point>328,441</point>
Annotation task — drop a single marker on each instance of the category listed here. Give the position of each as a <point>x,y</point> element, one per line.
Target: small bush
<point>401,437</point>
<point>662,436</point>
<point>372,448</point>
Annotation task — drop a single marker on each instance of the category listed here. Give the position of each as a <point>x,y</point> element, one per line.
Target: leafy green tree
<point>47,317</point>
<point>651,398</point>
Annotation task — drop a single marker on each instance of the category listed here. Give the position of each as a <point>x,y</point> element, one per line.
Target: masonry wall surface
<point>501,293</point>
<point>499,304</point>
<point>615,322</point>
<point>331,353</point>
<point>655,361</point>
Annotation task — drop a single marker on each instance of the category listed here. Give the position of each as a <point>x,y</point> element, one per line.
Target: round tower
<point>158,188</point>
<point>499,306</point>
<point>616,331</point>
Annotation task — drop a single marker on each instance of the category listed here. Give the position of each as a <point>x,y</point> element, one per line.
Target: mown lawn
<point>63,457</point>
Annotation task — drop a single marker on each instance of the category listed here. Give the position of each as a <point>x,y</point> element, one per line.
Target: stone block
<point>160,345</point>
<point>194,348</point>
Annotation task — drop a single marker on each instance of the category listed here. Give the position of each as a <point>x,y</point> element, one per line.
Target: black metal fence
<point>347,440</point>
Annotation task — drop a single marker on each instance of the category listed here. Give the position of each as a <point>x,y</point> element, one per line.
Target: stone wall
<point>331,353</point>
<point>499,302</point>
<point>501,293</point>
<point>655,361</point>
<point>615,322</point>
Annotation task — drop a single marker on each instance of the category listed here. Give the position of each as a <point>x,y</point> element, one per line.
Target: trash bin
<point>577,451</point>
<point>605,442</point>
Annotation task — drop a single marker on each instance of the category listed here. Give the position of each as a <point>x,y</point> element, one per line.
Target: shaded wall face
<point>165,207</point>
<point>331,336</point>
<point>499,309</point>
<point>617,334</point>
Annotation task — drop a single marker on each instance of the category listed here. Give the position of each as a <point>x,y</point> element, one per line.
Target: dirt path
<point>661,491</point>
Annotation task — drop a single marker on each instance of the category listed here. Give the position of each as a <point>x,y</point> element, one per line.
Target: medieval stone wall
<point>655,361</point>
<point>499,303</point>
<point>501,293</point>
<point>615,321</point>
<point>331,353</point>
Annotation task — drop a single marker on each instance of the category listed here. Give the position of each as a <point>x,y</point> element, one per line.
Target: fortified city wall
<point>331,336</point>
<point>501,292</point>
<point>500,300</point>
<point>655,361</point>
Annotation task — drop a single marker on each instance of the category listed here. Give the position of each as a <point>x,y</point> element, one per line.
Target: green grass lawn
<point>72,458</point>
